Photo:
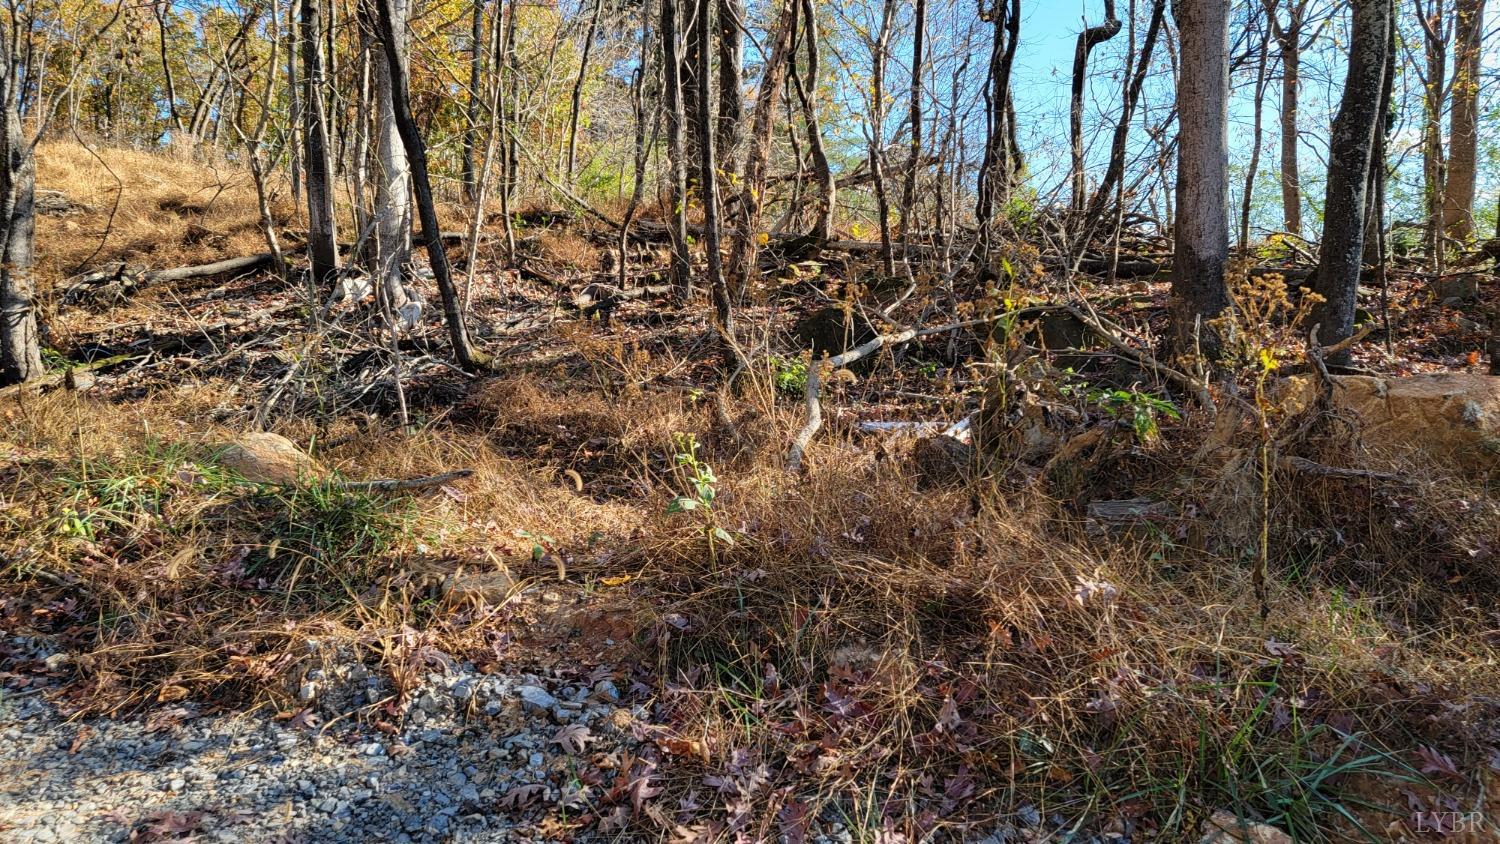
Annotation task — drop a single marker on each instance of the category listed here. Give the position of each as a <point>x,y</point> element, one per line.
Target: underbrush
<point>912,657</point>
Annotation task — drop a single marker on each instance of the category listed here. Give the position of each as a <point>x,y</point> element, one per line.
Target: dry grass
<point>869,640</point>
<point>150,208</point>
<point>160,209</point>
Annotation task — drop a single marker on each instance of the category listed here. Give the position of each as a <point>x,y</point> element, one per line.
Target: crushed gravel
<point>475,754</point>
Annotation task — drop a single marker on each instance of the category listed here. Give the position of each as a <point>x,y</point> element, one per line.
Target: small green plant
<point>101,496</point>
<point>790,374</point>
<point>1140,410</point>
<point>703,491</point>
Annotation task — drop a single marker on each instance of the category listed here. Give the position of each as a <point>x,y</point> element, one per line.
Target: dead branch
<point>401,485</point>
<point>1304,466</point>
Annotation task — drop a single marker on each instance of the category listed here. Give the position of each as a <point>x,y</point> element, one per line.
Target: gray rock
<point>536,700</point>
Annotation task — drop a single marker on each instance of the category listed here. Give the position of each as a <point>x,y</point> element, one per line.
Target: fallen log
<point>122,281</point>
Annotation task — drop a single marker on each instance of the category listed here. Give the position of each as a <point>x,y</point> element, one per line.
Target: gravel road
<point>477,756</point>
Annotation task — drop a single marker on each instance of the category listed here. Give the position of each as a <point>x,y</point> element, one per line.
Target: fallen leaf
<point>573,738</point>
<point>522,796</point>
<point>1434,762</point>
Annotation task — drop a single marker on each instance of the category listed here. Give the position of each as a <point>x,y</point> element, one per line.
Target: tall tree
<point>708,185</point>
<point>914,122</point>
<point>469,356</point>
<point>875,137</point>
<point>731,114</point>
<point>20,340</point>
<point>1202,233</point>
<point>477,52</point>
<point>583,70</point>
<point>1289,35</point>
<point>1437,31</point>
<point>807,95</point>
<point>745,237</point>
<point>1463,143</point>
<point>1088,39</point>
<point>322,242</point>
<point>1137,68</point>
<point>682,275</point>
<point>1350,154</point>
<point>1001,160</point>
<point>390,254</point>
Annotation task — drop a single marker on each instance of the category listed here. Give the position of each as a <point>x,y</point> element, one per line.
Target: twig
<point>1309,467</point>
<point>395,485</point>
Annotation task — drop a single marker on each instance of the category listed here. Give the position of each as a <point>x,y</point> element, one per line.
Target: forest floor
<point>907,640</point>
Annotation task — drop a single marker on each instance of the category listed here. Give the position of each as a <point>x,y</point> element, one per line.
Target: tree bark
<point>1255,135</point>
<point>745,239</point>
<point>391,252</point>
<point>1202,233</point>
<point>1289,42</point>
<point>1114,174</point>
<point>731,84</point>
<point>1463,144</point>
<point>1088,39</point>
<point>322,237</point>
<point>807,95</point>
<point>1436,30</point>
<point>468,356</point>
<point>682,273</point>
<point>709,187</point>
<point>477,53</point>
<point>876,137</point>
<point>914,118</point>
<point>997,168</point>
<point>20,339</point>
<point>1350,157</point>
<point>577,103</point>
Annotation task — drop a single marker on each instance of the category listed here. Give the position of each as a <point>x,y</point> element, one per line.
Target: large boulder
<point>268,459</point>
<point>1449,418</point>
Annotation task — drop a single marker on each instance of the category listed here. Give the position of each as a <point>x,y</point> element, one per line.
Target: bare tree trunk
<point>464,350</point>
<point>1463,144</point>
<point>682,271</point>
<point>909,186</point>
<point>996,170</point>
<point>1088,39</point>
<point>471,112</point>
<point>1201,236</point>
<point>1374,246</point>
<point>322,243</point>
<point>876,138</point>
<point>163,11</point>
<point>1253,169</point>
<point>1136,70</point>
<point>583,69</point>
<point>692,86</point>
<point>1289,42</point>
<point>1350,157</point>
<point>731,84</point>
<point>644,140</point>
<point>252,144</point>
<point>295,127</point>
<point>20,339</point>
<point>505,68</point>
<point>807,94</point>
<point>744,239</point>
<point>1437,31</point>
<point>709,189</point>
<point>393,215</point>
